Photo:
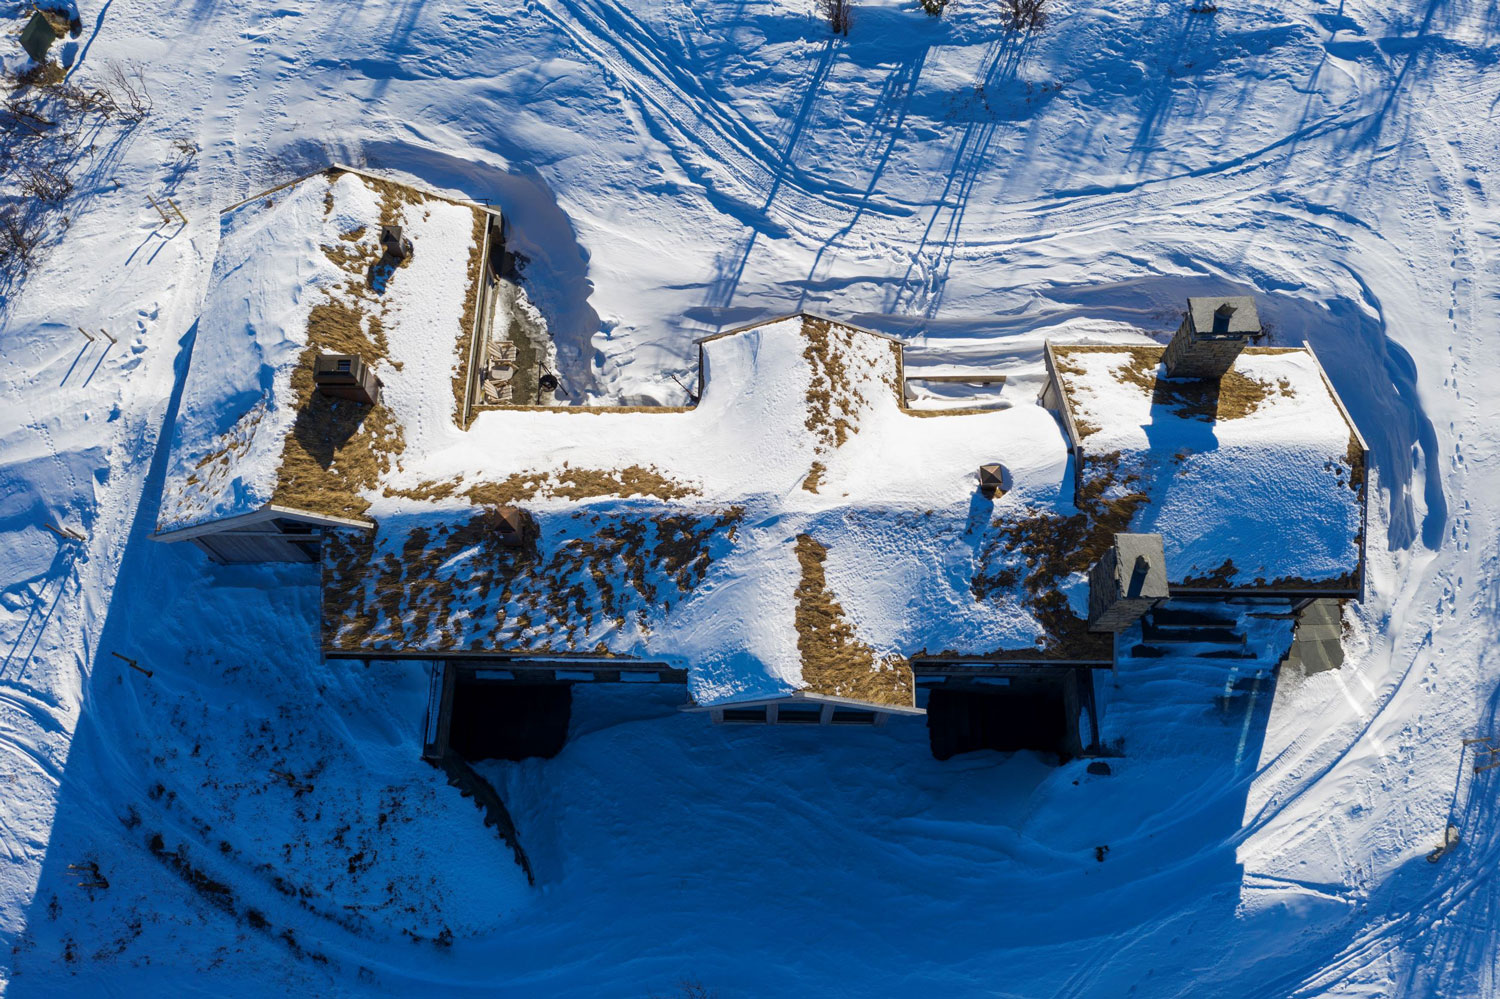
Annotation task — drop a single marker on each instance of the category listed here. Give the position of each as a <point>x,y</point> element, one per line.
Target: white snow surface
<point>1268,492</point>
<point>667,171</point>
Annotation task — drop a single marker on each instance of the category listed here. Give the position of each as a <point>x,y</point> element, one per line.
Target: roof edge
<point>345,168</point>
<point>267,512</point>
<point>802,314</point>
<point>810,697</point>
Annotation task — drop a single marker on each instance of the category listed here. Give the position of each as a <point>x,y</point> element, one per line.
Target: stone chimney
<point>1211,336</point>
<point>1128,580</point>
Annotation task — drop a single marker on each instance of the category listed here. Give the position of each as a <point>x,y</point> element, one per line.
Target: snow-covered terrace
<point>1256,482</point>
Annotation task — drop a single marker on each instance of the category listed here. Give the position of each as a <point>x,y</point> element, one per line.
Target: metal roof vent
<point>510,526</point>
<point>397,247</point>
<point>992,480</point>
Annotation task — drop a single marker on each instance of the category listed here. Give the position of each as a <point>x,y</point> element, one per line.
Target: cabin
<point>796,547</point>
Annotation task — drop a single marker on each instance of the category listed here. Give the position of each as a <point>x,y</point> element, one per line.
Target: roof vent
<point>992,480</point>
<point>346,376</point>
<point>511,525</point>
<point>397,247</point>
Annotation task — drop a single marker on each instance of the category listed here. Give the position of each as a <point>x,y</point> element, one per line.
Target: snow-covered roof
<point>797,529</point>
<point>293,277</point>
<point>1255,481</point>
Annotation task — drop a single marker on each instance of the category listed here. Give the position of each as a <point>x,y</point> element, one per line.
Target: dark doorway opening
<point>1027,715</point>
<point>502,720</point>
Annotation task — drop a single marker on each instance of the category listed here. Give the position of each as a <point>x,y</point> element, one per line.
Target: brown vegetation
<point>1232,397</point>
<point>574,484</point>
<point>814,477</point>
<point>337,448</point>
<point>1053,546</point>
<point>834,660</point>
<point>454,585</point>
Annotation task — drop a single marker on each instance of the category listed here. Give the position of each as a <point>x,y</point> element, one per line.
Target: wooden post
<point>86,333</point>
<point>108,337</point>
<point>165,218</point>
<point>177,210</point>
<point>133,664</point>
<point>63,532</point>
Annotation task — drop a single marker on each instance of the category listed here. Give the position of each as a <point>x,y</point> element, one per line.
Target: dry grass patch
<point>833,399</point>
<point>338,448</point>
<point>1232,397</point>
<point>1354,457</point>
<point>834,660</point>
<point>1039,549</point>
<point>577,484</point>
<point>1223,578</point>
<point>457,585</point>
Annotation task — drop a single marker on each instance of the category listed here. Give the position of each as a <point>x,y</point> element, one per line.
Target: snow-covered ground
<point>262,820</point>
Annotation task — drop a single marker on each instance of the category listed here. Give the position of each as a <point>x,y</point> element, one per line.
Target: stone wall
<point>1191,356</point>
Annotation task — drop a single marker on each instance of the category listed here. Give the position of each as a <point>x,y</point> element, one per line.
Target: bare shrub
<point>26,117</point>
<point>49,150</point>
<point>83,100</point>
<point>1026,15</point>
<point>934,8</point>
<point>838,13</point>
<point>46,183</point>
<point>125,85</point>
<point>20,238</point>
<point>187,149</point>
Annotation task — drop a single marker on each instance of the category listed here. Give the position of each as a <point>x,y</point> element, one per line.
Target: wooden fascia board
<point>345,168</point>
<point>802,696</point>
<point>270,511</point>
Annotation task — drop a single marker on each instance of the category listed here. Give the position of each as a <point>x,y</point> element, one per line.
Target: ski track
<point>990,236</point>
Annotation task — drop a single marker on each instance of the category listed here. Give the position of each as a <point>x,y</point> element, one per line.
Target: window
<point>745,715</point>
<point>853,716</point>
<point>799,714</point>
<point>344,364</point>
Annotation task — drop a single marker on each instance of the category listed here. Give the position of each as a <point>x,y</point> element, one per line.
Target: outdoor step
<point>1193,636</point>
<point>1142,651</point>
<point>1178,616</point>
<point>1228,654</point>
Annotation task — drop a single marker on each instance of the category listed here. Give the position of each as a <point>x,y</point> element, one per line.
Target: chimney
<point>1212,334</point>
<point>346,376</point>
<point>396,246</point>
<point>1128,580</point>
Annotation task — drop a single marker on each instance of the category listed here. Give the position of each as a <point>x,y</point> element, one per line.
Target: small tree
<point>1026,15</point>
<point>838,13</point>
